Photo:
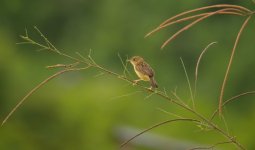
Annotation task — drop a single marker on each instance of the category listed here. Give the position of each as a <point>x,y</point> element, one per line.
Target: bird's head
<point>135,60</point>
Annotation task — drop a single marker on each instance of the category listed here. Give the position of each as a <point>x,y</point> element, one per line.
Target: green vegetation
<point>82,110</point>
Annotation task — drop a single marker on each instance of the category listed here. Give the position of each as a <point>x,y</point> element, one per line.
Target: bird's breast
<point>142,76</point>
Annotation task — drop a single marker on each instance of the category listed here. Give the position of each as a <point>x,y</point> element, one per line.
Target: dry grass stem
<point>63,65</point>
<point>225,123</point>
<point>189,18</point>
<point>125,70</point>
<point>192,24</point>
<point>188,81</point>
<point>157,125</point>
<point>36,88</point>
<point>230,63</point>
<point>126,95</point>
<point>211,147</point>
<point>230,100</point>
<point>169,113</point>
<point>197,64</point>
<point>178,98</point>
<point>240,8</point>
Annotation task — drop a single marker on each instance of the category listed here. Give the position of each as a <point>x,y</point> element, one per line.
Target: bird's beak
<point>128,60</point>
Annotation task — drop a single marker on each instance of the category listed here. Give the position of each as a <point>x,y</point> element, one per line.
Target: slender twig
<point>38,87</point>
<point>148,96</point>
<point>124,66</point>
<point>169,113</point>
<point>63,65</point>
<point>230,100</point>
<point>242,9</point>
<point>99,74</point>
<point>157,125</point>
<point>211,147</point>
<point>187,78</point>
<point>30,41</point>
<point>47,41</point>
<point>198,62</point>
<point>192,24</point>
<point>174,93</point>
<point>204,126</point>
<point>84,58</point>
<point>225,123</point>
<point>230,63</point>
<point>126,95</point>
<point>91,59</point>
<point>189,18</point>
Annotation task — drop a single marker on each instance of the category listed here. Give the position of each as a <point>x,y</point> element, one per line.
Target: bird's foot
<point>150,88</point>
<point>153,89</point>
<point>135,82</point>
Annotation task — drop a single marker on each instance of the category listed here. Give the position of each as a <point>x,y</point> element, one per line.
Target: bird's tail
<point>153,83</point>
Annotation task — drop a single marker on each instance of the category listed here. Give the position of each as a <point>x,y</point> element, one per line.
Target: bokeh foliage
<point>81,110</point>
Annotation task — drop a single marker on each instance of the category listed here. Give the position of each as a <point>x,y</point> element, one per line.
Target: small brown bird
<point>143,71</point>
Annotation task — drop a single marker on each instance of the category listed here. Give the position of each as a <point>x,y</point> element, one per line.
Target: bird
<point>143,71</point>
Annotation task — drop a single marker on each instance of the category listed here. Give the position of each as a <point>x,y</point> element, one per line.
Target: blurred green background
<point>83,111</point>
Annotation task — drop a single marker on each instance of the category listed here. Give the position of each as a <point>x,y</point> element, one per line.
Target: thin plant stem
<point>210,123</point>
<point>192,24</point>
<point>178,98</point>
<point>230,63</point>
<point>230,100</point>
<point>36,88</point>
<point>242,9</point>
<point>189,18</point>
<point>169,113</point>
<point>124,66</point>
<point>46,40</point>
<point>187,78</point>
<point>157,125</point>
<point>126,95</point>
<point>197,65</point>
<point>211,147</point>
<point>225,123</point>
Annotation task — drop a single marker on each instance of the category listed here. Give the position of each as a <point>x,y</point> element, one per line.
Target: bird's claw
<point>135,82</point>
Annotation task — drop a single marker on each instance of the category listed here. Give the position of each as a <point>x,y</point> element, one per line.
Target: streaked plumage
<point>143,70</point>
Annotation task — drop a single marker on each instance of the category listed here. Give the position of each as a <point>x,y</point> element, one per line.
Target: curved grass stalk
<point>36,88</point>
<point>197,65</point>
<point>189,18</point>
<point>157,125</point>
<point>189,85</point>
<point>192,24</point>
<point>230,63</point>
<point>242,9</point>
<point>230,100</point>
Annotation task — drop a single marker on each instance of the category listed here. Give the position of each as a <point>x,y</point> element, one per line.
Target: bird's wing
<point>144,68</point>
